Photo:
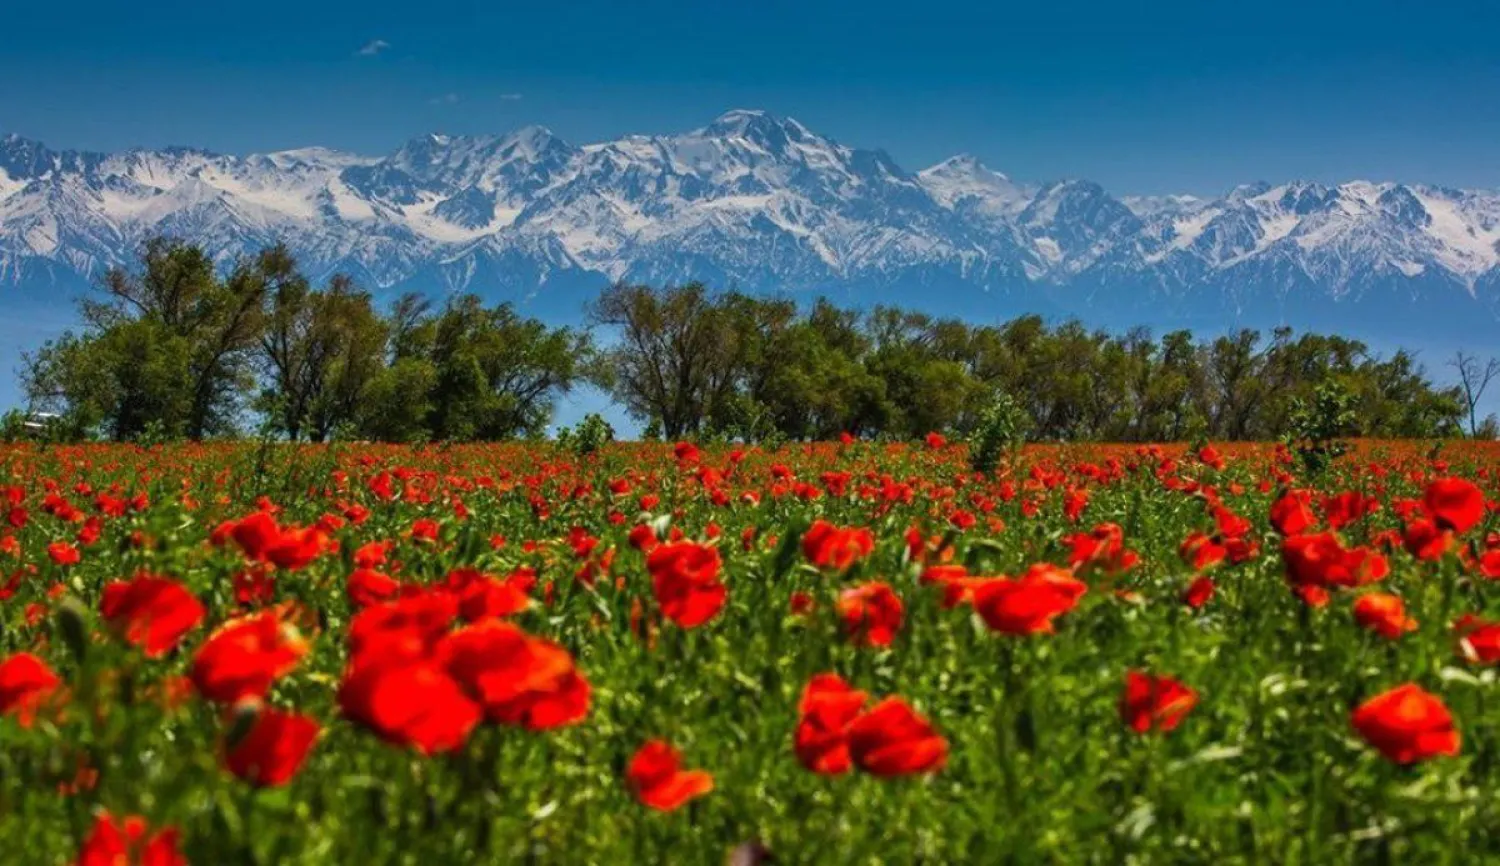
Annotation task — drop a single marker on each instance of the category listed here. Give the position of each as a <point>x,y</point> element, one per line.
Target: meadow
<point>844,652</point>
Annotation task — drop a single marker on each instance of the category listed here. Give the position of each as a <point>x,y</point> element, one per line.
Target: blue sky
<point>1143,97</point>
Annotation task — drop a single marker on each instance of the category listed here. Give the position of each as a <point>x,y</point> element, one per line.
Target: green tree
<point>399,401</point>
<point>169,345</point>
<point>321,350</point>
<point>470,372</point>
<point>499,374</point>
<point>676,354</point>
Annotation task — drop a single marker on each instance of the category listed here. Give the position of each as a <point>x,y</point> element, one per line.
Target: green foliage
<point>321,353</point>
<point>13,426</point>
<point>677,353</point>
<point>178,344</point>
<point>733,366</point>
<point>399,401</point>
<point>1316,426</point>
<point>590,435</point>
<point>1001,430</point>
<point>170,344</point>
<point>178,350</point>
<point>486,372</point>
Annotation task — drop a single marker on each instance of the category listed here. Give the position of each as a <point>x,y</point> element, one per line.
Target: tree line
<point>694,362</point>
<point>178,347</point>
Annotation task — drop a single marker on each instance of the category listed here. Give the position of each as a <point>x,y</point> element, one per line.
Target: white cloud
<point>510,97</point>
<point>373,47</point>
<point>445,99</point>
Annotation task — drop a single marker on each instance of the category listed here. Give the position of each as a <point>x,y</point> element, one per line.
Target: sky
<point>1156,97</point>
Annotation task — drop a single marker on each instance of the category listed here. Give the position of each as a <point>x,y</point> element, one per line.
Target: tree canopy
<point>181,347</point>
<point>689,362</point>
<point>177,348</point>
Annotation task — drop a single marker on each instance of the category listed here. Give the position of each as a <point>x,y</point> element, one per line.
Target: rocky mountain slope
<point>762,203</point>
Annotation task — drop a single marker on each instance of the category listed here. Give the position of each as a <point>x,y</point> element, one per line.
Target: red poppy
<point>243,657</point>
<point>1292,514</point>
<point>26,683</point>
<point>1210,456</point>
<point>1152,702</point>
<point>1384,614</point>
<point>383,486</point>
<point>829,705</point>
<point>836,548</point>
<point>296,548</point>
<point>1027,605</point>
<point>871,613</point>
<point>290,548</point>
<point>425,530</point>
<point>373,554</point>
<point>1426,540</point>
<point>92,529</point>
<point>151,612</point>
<point>1231,525</point>
<point>62,553</point>
<point>272,751</point>
<point>516,678</point>
<point>656,778</point>
<point>1315,563</point>
<point>1074,501</point>
<point>1478,639</point>
<point>1199,592</point>
<point>481,596</point>
<point>1347,507</point>
<point>1489,563</point>
<point>1102,549</point>
<point>686,452</point>
<point>685,580</point>
<point>1407,724</point>
<point>367,587</point>
<point>893,740</point>
<point>409,626</point>
<point>1455,503</point>
<point>1202,551</point>
<point>129,843</point>
<point>642,537</point>
<point>409,702</point>
<point>255,534</point>
<point>958,585</point>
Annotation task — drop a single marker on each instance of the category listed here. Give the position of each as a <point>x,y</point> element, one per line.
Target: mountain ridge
<point>762,203</point>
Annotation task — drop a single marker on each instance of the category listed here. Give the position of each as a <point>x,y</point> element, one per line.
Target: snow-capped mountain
<point>762,203</point>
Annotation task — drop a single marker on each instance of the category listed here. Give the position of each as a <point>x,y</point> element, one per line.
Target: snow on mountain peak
<point>750,199</point>
<point>758,127</point>
<point>531,141</point>
<point>316,156</point>
<point>964,182</point>
<point>739,121</point>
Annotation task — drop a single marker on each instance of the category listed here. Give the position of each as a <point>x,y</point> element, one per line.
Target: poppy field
<point>845,652</point>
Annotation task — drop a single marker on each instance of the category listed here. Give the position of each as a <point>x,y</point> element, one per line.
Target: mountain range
<point>762,203</point>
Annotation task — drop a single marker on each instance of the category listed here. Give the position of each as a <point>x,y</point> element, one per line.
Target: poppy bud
<point>73,624</point>
<point>241,720</point>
